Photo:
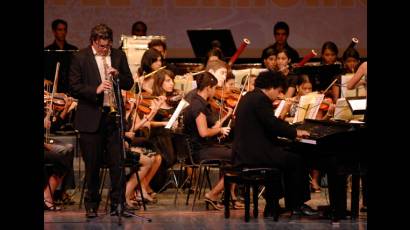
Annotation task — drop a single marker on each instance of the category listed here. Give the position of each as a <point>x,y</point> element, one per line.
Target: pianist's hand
<point>302,133</point>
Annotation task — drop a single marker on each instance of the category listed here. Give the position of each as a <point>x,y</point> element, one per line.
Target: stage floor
<point>166,215</point>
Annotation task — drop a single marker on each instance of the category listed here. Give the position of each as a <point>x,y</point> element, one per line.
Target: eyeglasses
<point>103,46</point>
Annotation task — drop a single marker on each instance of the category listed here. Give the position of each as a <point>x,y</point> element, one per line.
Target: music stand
<point>320,75</point>
<point>357,105</point>
<point>202,40</point>
<point>120,122</point>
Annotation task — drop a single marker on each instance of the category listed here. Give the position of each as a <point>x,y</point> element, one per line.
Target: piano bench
<point>253,177</point>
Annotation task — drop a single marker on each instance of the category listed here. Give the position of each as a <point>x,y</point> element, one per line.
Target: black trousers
<point>296,177</point>
<point>102,147</point>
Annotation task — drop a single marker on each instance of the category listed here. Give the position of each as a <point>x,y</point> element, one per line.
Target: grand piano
<point>347,142</point>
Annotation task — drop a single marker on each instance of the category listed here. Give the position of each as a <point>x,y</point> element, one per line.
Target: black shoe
<point>305,210</point>
<point>91,213</point>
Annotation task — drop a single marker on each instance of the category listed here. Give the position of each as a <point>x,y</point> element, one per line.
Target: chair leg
<point>203,181</point>
<point>190,182</point>
<point>255,200</point>
<point>196,187</point>
<point>227,195</point>
<point>208,180</point>
<point>177,187</point>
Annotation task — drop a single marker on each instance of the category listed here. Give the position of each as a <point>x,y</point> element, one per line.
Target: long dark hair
<point>160,77</point>
<point>150,56</point>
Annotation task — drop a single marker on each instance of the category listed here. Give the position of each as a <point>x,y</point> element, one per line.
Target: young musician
<point>139,28</point>
<point>218,69</point>
<point>281,34</point>
<point>63,55</point>
<point>256,142</point>
<point>151,61</point>
<point>57,122</point>
<point>150,161</point>
<point>61,158</point>
<point>164,87</point>
<point>230,81</point>
<point>329,57</point>
<point>283,62</point>
<point>269,58</point>
<point>351,60</point>
<point>357,78</point>
<point>249,86</point>
<point>200,125</point>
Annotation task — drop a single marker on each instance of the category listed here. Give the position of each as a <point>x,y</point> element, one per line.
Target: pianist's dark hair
<point>206,79</point>
<point>270,79</point>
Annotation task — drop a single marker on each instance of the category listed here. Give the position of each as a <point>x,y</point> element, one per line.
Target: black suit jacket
<point>256,132</point>
<point>84,79</point>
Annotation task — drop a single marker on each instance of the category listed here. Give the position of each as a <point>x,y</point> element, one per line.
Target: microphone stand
<point>119,116</point>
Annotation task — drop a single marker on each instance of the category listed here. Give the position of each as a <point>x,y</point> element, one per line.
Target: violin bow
<point>240,96</point>
<point>333,82</point>
<point>50,105</point>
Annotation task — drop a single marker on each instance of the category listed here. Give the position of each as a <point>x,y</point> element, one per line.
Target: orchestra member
<point>151,61</point>
<point>281,34</point>
<point>89,78</point>
<point>256,142</point>
<point>200,126</point>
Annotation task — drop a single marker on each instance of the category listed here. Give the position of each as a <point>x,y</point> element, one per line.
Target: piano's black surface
<point>331,137</point>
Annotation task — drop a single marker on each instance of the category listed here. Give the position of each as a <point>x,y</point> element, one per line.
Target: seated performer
<point>61,158</point>
<point>200,125</point>
<point>357,78</point>
<point>148,160</point>
<point>256,142</point>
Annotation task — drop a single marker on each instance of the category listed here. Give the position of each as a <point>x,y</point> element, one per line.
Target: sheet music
<point>342,110</point>
<point>279,109</point>
<point>182,105</point>
<point>314,106</point>
<point>308,107</point>
<point>241,73</point>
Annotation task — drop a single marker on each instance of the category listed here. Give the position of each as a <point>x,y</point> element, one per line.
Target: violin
<point>327,101</point>
<point>216,106</point>
<point>230,96</point>
<point>282,97</point>
<point>58,100</point>
<point>174,98</point>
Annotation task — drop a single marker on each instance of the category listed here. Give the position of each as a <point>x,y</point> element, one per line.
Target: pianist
<point>256,141</point>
